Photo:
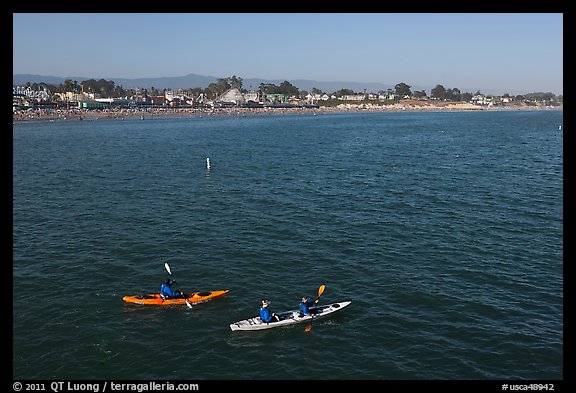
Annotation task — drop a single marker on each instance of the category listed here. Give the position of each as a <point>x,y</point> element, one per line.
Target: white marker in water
<point>559,127</point>
<point>207,163</point>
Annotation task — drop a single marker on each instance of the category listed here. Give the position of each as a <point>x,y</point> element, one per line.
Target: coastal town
<point>102,99</point>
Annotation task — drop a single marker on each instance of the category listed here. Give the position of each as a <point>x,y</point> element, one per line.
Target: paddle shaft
<point>320,292</point>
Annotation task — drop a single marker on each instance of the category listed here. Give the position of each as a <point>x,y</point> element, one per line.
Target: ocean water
<point>444,229</point>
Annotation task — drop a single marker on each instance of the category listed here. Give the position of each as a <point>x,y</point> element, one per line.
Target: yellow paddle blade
<point>321,290</point>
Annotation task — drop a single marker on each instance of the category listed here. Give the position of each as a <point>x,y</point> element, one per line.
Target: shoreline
<point>142,114</point>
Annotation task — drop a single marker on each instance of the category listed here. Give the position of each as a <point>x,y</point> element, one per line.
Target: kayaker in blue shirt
<point>265,314</point>
<point>305,305</point>
<point>167,292</point>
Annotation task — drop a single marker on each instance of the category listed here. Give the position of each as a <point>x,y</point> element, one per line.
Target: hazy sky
<point>491,52</point>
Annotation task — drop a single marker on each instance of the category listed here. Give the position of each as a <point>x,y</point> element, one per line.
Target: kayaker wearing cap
<point>265,314</point>
<point>305,305</point>
<point>167,292</point>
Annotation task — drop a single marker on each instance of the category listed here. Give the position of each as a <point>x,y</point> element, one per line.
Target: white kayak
<point>291,317</point>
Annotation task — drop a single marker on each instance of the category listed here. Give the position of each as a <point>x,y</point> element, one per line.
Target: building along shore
<point>142,114</point>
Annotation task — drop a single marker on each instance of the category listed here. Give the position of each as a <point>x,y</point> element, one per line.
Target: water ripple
<point>444,229</point>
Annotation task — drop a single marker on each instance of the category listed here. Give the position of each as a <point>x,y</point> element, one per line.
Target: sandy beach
<point>407,105</point>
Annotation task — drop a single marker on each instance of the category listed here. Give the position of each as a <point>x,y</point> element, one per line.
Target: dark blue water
<point>444,229</point>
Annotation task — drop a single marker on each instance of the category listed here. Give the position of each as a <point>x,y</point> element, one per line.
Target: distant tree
<point>539,96</point>
<point>235,82</point>
<point>420,94</point>
<point>439,92</point>
<point>51,88</point>
<point>453,94</point>
<point>402,89</point>
<point>216,89</point>
<point>102,87</point>
<point>288,89</point>
<point>268,88</point>
<point>194,92</point>
<point>316,91</point>
<point>71,86</point>
<point>119,92</point>
<point>466,97</point>
<point>343,92</point>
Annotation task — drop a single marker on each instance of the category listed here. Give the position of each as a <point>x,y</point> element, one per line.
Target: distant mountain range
<point>202,81</point>
<point>194,80</point>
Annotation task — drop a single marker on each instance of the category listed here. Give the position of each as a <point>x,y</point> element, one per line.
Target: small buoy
<point>207,163</point>
<point>559,127</point>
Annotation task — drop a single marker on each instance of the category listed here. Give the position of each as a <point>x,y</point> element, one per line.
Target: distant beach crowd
<point>124,113</point>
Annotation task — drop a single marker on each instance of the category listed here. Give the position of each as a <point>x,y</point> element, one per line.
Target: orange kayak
<point>155,299</point>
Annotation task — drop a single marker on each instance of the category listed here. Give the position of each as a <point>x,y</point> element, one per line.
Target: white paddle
<point>170,272</point>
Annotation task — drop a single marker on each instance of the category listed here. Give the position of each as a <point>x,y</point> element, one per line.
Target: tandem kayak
<point>155,299</point>
<point>288,318</point>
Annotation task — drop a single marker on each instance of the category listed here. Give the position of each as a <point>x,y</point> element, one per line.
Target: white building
<point>232,95</point>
